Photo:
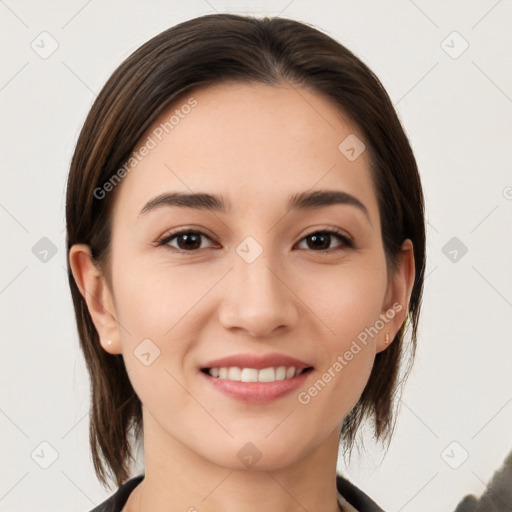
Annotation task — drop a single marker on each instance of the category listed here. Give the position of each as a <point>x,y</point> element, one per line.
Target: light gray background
<point>458,115</point>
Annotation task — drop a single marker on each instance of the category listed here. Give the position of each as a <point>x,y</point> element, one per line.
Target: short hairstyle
<point>228,48</point>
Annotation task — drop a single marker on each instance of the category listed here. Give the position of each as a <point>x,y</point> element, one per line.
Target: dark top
<point>358,499</point>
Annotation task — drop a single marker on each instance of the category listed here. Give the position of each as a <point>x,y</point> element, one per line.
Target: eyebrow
<point>297,202</point>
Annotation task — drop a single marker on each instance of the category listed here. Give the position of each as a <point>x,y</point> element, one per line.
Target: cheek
<point>348,353</point>
<point>158,300</point>
<point>156,310</point>
<point>350,306</point>
<point>159,307</point>
<point>349,299</point>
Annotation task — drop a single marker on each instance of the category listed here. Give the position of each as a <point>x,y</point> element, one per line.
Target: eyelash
<point>346,241</point>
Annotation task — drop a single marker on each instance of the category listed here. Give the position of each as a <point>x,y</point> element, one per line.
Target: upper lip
<point>257,362</point>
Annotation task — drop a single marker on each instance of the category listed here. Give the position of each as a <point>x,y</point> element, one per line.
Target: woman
<point>246,247</point>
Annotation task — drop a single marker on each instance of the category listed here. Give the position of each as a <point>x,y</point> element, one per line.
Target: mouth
<point>256,379</point>
<point>269,374</point>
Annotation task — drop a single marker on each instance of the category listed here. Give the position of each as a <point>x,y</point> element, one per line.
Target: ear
<point>96,293</point>
<point>398,295</point>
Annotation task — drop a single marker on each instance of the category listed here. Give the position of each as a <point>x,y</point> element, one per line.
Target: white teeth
<point>254,375</point>
<point>249,375</point>
<point>267,375</point>
<point>280,372</point>
<point>234,373</point>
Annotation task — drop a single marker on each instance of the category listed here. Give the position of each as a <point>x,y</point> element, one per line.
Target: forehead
<point>252,143</point>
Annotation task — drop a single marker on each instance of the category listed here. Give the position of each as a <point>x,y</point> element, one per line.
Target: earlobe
<point>96,293</point>
<point>398,296</point>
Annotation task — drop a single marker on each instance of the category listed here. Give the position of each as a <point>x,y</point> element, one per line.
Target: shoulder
<point>359,501</point>
<point>117,501</point>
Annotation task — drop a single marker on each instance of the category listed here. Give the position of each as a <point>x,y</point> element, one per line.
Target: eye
<point>187,240</point>
<point>321,240</point>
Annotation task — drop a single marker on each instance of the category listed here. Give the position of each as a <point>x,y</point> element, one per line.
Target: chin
<point>258,455</point>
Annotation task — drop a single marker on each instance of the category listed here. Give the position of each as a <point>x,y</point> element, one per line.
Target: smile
<point>270,374</point>
<point>260,387</point>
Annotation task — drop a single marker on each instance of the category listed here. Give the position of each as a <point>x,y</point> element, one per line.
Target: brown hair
<point>209,50</point>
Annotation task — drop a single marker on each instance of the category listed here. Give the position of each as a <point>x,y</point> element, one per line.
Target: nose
<point>258,298</point>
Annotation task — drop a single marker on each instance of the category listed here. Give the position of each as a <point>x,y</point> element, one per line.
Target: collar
<point>344,505</point>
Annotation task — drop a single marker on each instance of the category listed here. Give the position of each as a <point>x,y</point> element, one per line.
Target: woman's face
<point>254,278</point>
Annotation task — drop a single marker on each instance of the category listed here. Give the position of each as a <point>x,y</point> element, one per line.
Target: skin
<point>256,145</point>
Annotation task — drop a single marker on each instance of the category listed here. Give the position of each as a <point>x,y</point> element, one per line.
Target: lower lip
<point>257,392</point>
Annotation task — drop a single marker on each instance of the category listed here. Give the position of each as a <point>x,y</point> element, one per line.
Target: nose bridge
<point>255,272</point>
<point>257,299</point>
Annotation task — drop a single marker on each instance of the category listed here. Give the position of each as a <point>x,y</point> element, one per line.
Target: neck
<point>179,479</point>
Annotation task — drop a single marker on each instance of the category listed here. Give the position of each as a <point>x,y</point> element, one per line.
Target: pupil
<point>192,240</point>
<point>316,238</point>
